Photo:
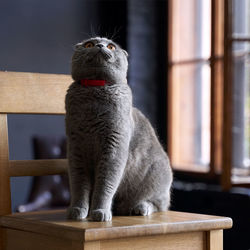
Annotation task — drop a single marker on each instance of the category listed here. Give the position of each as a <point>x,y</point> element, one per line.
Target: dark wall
<point>147,28</point>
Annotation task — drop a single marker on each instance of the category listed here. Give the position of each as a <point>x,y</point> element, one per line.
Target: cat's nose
<point>99,45</point>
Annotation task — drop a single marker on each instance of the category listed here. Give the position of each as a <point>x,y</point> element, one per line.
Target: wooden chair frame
<point>30,93</point>
<point>27,93</point>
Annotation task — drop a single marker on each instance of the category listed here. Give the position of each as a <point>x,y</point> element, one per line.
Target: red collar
<point>87,82</point>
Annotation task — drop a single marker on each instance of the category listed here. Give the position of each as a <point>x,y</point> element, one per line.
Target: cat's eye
<point>111,46</point>
<point>88,45</point>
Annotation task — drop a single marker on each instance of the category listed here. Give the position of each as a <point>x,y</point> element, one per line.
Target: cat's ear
<point>77,46</point>
<point>125,52</point>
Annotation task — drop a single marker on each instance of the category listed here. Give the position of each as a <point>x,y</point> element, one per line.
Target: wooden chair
<point>29,93</point>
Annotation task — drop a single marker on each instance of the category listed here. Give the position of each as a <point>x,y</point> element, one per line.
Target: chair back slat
<point>38,167</point>
<point>33,93</point>
<point>28,93</point>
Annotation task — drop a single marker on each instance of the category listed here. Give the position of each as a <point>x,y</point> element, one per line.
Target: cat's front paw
<point>143,208</point>
<point>101,215</point>
<point>77,213</point>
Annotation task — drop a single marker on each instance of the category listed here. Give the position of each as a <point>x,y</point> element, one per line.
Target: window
<point>240,47</point>
<point>190,84</point>
<point>209,88</point>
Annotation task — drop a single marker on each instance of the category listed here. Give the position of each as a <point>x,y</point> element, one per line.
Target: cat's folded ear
<point>77,46</point>
<point>125,52</point>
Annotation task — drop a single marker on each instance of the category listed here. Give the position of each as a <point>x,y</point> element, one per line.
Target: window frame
<point>221,64</point>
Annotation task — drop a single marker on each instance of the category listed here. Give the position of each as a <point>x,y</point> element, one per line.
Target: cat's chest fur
<point>98,111</point>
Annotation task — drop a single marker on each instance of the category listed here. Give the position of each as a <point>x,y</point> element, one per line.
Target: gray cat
<point>116,163</point>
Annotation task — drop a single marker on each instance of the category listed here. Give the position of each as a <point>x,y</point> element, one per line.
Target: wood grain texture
<point>92,245</point>
<point>33,93</point>
<point>5,200</point>
<point>215,240</point>
<point>20,240</point>
<point>216,64</point>
<point>43,228</point>
<point>54,223</point>
<point>181,241</point>
<point>38,167</point>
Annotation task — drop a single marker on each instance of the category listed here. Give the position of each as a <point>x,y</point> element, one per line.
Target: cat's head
<point>99,58</point>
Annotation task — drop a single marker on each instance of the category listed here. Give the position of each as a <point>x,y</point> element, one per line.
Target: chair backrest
<point>28,93</point>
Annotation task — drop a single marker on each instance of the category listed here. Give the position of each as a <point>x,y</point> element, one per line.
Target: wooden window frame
<point>229,39</point>
<point>221,63</point>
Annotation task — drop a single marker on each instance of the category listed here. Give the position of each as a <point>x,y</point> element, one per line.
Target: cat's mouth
<point>106,55</point>
<point>100,57</point>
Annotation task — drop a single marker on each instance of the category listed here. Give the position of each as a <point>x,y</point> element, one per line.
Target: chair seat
<point>51,230</point>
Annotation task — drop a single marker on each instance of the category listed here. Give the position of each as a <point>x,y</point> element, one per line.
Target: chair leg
<point>215,240</point>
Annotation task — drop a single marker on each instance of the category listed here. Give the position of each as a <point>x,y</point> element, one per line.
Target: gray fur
<point>116,163</point>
